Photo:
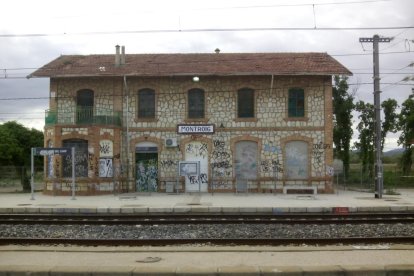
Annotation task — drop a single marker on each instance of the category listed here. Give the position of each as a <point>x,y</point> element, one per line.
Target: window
<point>296,106</point>
<point>245,103</point>
<point>81,158</point>
<point>196,104</point>
<point>146,104</point>
<point>84,106</point>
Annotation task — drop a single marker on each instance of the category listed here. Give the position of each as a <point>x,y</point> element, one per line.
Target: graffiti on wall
<point>197,150</point>
<point>318,153</point>
<point>221,159</point>
<point>106,148</point>
<point>105,167</point>
<point>271,166</point>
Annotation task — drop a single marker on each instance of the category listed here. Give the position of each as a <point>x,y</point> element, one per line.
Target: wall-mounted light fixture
<point>196,79</point>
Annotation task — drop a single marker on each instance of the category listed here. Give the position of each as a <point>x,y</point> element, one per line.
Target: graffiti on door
<point>147,175</point>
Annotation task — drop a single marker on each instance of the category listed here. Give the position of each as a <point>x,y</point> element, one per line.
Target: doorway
<point>146,167</point>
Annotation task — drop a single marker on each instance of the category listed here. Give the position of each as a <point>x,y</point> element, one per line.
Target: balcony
<point>83,116</point>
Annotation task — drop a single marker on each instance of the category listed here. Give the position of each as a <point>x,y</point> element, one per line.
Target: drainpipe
<point>127,128</point>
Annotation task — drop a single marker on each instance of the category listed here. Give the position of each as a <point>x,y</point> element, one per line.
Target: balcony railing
<point>83,116</point>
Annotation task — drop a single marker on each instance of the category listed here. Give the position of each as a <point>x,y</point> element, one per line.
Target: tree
<point>390,123</point>
<point>343,105</point>
<point>366,128</point>
<point>366,131</point>
<point>16,143</point>
<point>406,125</point>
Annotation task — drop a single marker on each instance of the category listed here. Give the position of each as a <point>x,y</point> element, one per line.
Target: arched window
<point>296,161</point>
<point>84,106</point>
<point>146,104</point>
<point>196,104</point>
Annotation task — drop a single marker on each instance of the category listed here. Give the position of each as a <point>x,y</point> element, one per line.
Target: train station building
<point>209,122</point>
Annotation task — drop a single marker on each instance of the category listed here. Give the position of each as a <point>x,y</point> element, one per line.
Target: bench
<point>314,189</point>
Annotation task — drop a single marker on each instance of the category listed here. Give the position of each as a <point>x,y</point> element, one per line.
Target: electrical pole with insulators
<point>379,184</point>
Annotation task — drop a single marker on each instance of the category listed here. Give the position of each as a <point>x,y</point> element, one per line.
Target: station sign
<point>52,151</point>
<point>195,129</point>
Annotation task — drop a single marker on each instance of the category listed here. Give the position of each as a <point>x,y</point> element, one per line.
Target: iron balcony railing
<point>83,116</point>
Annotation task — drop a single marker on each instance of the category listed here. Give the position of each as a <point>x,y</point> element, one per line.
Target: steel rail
<point>215,241</point>
<point>119,219</point>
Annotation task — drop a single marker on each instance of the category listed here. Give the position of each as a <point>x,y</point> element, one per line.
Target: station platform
<point>364,259</point>
<point>162,203</point>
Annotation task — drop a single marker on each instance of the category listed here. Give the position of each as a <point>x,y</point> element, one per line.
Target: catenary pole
<point>379,184</point>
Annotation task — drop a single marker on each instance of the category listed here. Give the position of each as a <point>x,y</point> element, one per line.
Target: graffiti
<point>197,150</point>
<point>219,145</point>
<point>321,145</point>
<point>105,167</point>
<point>274,149</point>
<point>93,165</point>
<point>167,164</point>
<point>271,166</point>
<point>57,167</point>
<point>194,179</point>
<point>221,165</point>
<point>318,152</point>
<point>147,175</point>
<point>220,155</point>
<point>81,164</point>
<point>222,185</point>
<point>105,148</point>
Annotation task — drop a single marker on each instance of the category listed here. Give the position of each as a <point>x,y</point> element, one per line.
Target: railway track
<point>259,224</point>
<point>116,219</point>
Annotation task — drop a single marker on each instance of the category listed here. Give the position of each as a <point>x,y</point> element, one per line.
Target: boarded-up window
<point>81,158</point>
<point>296,163</point>
<point>296,102</point>
<point>245,103</point>
<point>146,104</point>
<point>246,160</point>
<point>196,104</point>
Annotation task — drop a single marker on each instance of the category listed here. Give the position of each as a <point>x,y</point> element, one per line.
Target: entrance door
<point>146,168</point>
<point>197,151</point>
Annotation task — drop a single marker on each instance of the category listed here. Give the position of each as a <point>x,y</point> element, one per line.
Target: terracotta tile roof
<point>194,64</point>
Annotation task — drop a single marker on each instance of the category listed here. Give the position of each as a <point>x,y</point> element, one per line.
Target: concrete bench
<point>314,189</point>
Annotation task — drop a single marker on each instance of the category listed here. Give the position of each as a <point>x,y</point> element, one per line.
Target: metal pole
<point>32,176</point>
<point>73,173</point>
<point>377,108</point>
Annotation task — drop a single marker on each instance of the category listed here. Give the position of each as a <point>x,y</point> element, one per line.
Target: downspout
<point>127,128</point>
<point>271,83</point>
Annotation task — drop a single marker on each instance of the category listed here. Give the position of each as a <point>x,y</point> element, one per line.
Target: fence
<point>17,179</point>
<point>393,178</point>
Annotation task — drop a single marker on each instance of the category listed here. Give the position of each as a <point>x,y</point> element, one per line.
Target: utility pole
<point>379,185</point>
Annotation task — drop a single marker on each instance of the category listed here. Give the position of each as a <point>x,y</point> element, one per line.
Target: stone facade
<point>276,140</point>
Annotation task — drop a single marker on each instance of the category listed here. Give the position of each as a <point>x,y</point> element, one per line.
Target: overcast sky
<point>32,33</point>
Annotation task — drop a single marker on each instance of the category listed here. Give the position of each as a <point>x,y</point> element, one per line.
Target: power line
<point>206,30</point>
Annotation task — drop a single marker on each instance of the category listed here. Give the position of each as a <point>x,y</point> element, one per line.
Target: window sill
<point>292,119</point>
<point>237,120</point>
<point>200,120</point>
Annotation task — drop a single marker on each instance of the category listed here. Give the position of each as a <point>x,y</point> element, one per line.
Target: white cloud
<point>79,17</point>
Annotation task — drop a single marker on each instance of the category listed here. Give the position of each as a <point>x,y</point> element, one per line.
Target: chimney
<point>117,56</point>
<point>123,55</point>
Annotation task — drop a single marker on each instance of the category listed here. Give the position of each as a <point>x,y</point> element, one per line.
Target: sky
<point>32,33</point>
